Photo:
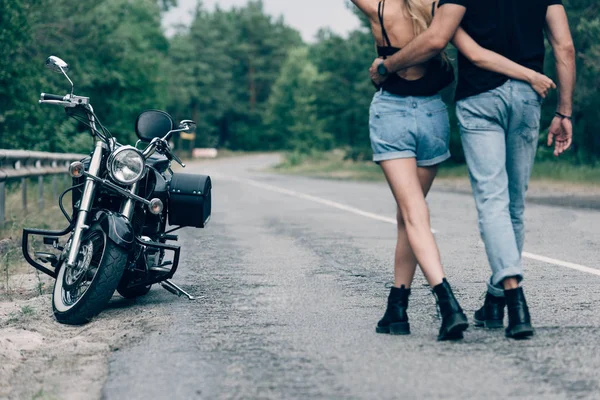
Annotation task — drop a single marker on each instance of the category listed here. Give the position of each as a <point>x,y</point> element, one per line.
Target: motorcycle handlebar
<point>47,96</point>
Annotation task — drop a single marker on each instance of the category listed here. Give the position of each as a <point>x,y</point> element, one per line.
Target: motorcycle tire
<point>109,263</point>
<point>132,293</point>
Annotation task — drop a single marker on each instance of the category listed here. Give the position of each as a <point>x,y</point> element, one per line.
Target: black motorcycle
<point>123,197</point>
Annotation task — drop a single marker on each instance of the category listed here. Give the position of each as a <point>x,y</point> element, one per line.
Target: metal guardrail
<point>22,164</point>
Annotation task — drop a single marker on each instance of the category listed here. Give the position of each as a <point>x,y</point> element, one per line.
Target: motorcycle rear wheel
<point>82,292</point>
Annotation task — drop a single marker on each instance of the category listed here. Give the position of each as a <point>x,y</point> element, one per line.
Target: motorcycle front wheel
<point>81,292</point>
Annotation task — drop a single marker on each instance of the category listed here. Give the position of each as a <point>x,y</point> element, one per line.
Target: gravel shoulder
<point>42,359</point>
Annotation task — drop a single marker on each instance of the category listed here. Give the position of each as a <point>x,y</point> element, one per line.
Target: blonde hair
<point>421,17</point>
<point>420,14</point>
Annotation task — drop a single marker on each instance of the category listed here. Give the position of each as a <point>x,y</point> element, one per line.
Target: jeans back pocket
<point>478,112</point>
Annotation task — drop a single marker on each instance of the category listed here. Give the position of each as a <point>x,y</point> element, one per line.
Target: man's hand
<point>561,134</point>
<point>431,42</point>
<point>375,77</point>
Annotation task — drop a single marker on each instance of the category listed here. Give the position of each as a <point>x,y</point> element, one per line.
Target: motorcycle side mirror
<point>187,126</point>
<point>57,65</point>
<point>153,124</point>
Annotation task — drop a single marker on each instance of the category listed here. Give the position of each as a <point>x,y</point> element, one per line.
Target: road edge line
<point>343,207</point>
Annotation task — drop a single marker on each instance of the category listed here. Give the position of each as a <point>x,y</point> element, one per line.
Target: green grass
<point>11,257</point>
<point>565,172</point>
<point>27,310</point>
<point>43,395</point>
<point>333,165</point>
<point>547,171</point>
<point>49,217</point>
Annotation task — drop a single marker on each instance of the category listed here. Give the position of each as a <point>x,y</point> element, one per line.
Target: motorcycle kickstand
<point>176,290</point>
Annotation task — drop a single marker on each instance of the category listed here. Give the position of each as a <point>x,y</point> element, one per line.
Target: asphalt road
<point>293,271</point>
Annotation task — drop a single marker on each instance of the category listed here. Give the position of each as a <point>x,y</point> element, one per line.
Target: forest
<point>246,77</point>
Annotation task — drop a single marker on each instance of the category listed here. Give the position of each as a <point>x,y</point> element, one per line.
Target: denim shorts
<point>409,127</point>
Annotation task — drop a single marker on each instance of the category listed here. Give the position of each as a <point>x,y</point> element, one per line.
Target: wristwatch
<point>382,69</point>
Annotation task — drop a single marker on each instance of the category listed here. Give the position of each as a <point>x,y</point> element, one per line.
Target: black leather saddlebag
<point>190,200</point>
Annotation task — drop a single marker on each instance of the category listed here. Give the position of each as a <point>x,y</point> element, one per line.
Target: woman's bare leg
<point>403,177</point>
<point>405,263</point>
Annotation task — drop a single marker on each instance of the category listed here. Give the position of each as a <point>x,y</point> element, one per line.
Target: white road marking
<point>319,200</point>
<point>339,206</point>
<point>565,264</point>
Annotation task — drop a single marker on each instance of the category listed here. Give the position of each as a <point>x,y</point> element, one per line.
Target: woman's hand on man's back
<point>541,84</point>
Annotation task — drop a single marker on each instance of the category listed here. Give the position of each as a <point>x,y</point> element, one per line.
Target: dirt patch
<point>42,359</point>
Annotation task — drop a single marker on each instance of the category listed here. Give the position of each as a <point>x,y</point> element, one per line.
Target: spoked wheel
<point>82,291</point>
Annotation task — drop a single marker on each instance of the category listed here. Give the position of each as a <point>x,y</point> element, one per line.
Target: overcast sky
<point>305,15</point>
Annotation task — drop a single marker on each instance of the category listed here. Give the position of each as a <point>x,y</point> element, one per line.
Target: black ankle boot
<point>519,320</point>
<point>491,315</point>
<point>395,320</point>
<point>454,320</point>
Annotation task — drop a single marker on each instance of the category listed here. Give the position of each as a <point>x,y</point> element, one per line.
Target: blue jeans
<point>499,132</point>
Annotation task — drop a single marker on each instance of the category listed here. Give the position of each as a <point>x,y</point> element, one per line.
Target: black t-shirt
<point>512,28</point>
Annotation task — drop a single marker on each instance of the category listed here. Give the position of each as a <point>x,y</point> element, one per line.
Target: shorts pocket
<point>434,133</point>
<point>388,124</point>
<point>438,122</point>
<point>389,107</point>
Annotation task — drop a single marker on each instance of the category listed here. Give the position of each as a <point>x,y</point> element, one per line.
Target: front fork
<point>129,205</point>
<point>87,200</point>
<point>85,205</point>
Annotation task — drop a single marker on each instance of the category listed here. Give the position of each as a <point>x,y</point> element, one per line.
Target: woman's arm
<point>366,6</point>
<point>487,59</point>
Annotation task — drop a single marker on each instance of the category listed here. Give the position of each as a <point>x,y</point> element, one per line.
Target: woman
<point>410,134</point>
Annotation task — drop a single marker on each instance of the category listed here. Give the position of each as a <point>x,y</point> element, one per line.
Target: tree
<point>226,65</point>
<point>585,23</point>
<point>291,116</point>
<point>115,49</point>
<point>244,76</point>
<point>17,75</point>
<point>345,93</point>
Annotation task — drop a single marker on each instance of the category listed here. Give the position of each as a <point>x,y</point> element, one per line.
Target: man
<point>499,125</point>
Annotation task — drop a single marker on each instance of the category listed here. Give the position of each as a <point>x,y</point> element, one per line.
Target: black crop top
<point>436,78</point>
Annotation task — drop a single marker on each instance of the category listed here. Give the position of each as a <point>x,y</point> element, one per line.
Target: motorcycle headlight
<point>126,165</point>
